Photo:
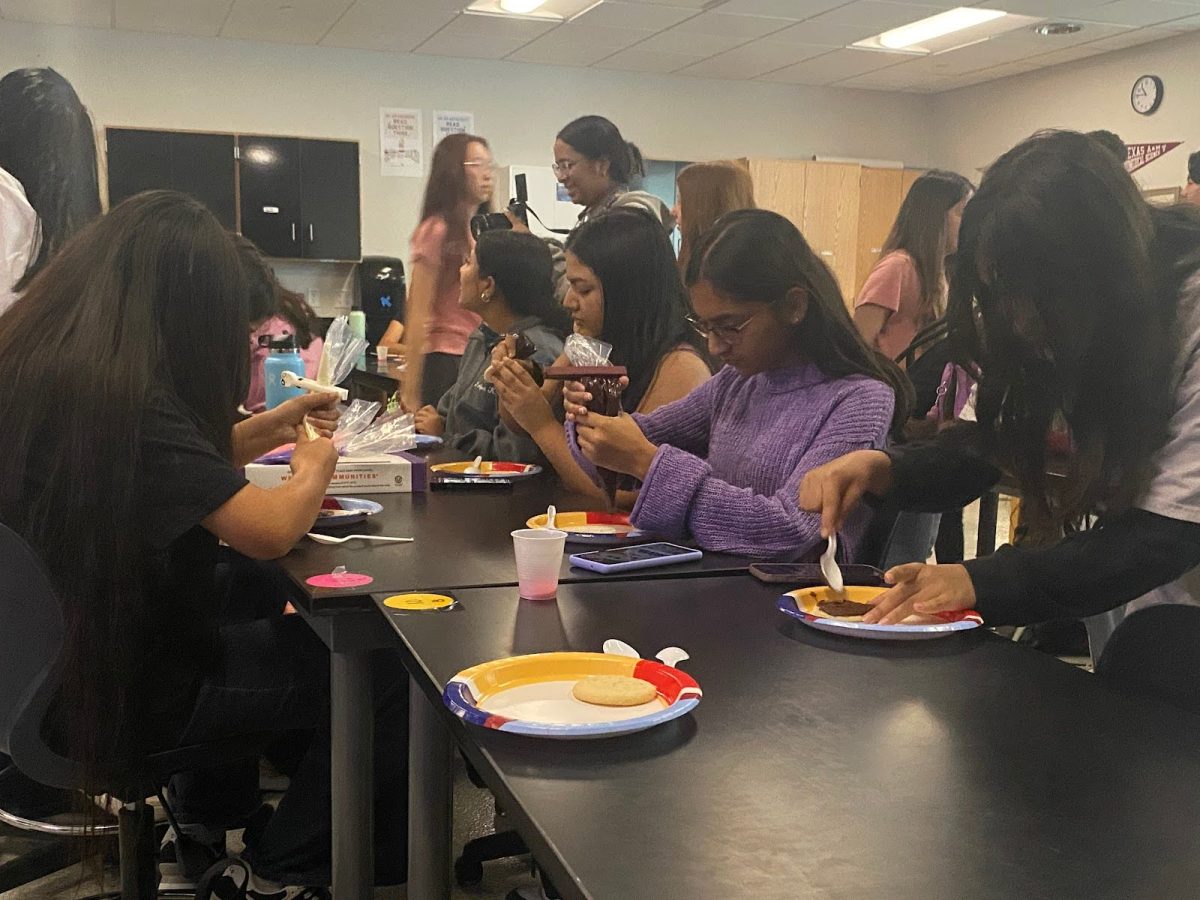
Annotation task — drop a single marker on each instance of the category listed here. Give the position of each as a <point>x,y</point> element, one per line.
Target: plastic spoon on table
<point>475,468</point>
<point>829,567</point>
<point>330,539</point>
<point>551,515</point>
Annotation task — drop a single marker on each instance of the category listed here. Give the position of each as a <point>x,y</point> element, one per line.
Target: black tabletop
<point>463,539</point>
<point>821,766</point>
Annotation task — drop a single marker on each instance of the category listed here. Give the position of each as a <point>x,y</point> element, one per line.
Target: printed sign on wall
<point>446,123</point>
<point>401,151</point>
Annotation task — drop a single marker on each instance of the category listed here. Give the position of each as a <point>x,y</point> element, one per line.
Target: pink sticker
<point>339,580</point>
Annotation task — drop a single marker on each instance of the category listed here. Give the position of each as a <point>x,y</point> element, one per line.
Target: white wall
<point>191,83</point>
<point>974,125</point>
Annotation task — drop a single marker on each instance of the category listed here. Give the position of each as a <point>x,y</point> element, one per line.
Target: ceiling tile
<point>876,15</point>
<point>581,37</point>
<point>619,14</point>
<point>551,54</point>
<point>294,22</point>
<point>896,79</point>
<point>828,34</point>
<point>752,60</point>
<point>783,9</point>
<point>202,18</point>
<point>690,4</point>
<point>637,59</point>
<point>836,65</point>
<point>1191,23</point>
<point>1138,12</point>
<point>745,27</point>
<point>1134,38</point>
<point>1045,8</point>
<point>378,25</point>
<point>86,13</point>
<point>691,43</point>
<point>473,46</point>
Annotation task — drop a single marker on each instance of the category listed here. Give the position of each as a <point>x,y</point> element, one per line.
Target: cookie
<point>614,690</point>
<point>841,609</point>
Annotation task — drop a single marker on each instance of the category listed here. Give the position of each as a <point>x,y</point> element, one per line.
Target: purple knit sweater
<point>732,453</point>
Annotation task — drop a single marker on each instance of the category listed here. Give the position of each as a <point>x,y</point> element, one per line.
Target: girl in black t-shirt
<point>123,369</point>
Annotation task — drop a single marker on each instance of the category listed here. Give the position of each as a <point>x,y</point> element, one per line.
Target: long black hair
<point>523,268</point>
<point>266,297</point>
<point>758,255</point>
<point>1064,296</point>
<point>920,231</point>
<point>645,304</point>
<point>597,138</point>
<point>448,186</point>
<point>47,144</point>
<point>148,299</point>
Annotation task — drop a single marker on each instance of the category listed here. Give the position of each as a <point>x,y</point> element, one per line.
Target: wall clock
<point>1147,94</point>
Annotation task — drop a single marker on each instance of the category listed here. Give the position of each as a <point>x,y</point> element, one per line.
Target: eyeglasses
<point>486,166</point>
<point>727,334</point>
<point>564,167</point>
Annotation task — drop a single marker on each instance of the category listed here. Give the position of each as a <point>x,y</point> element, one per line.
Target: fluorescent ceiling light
<point>533,10</point>
<point>942,24</point>
<point>520,7</point>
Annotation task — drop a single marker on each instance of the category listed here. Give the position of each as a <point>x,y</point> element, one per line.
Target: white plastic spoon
<point>551,514</point>
<point>474,468</point>
<point>829,567</point>
<point>292,380</point>
<point>615,647</point>
<point>672,656</point>
<point>330,539</point>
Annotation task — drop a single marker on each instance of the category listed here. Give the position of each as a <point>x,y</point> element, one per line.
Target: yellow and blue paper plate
<point>531,695</point>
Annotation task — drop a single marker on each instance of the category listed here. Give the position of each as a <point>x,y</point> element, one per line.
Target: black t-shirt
<point>183,479</point>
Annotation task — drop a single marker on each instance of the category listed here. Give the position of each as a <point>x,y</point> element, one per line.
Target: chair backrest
<point>31,640</point>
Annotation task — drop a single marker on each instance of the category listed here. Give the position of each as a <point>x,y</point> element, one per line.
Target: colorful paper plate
<point>531,695</point>
<point>489,469</point>
<point>600,528</point>
<point>337,512</point>
<point>803,605</point>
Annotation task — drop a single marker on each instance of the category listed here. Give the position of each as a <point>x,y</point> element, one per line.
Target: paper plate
<point>489,469</point>
<point>598,528</point>
<point>802,605</point>
<point>531,695</point>
<point>337,512</point>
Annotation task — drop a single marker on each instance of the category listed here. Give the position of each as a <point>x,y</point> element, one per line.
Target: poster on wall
<point>446,122</point>
<point>401,149</point>
<point>1141,155</point>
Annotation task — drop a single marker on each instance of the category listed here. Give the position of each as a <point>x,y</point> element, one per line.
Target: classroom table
<point>815,765</point>
<point>462,540</point>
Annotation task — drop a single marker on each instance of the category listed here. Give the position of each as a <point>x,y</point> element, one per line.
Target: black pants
<point>438,376</point>
<point>1155,653</point>
<point>274,681</point>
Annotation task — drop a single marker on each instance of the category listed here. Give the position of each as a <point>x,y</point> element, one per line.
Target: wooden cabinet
<point>201,165</point>
<point>880,193</point>
<point>831,209</point>
<point>844,210</point>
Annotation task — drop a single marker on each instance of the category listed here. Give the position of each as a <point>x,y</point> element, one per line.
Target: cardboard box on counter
<point>384,473</point>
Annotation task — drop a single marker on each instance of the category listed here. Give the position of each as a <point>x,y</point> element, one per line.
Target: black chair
<point>1155,653</point>
<point>31,642</point>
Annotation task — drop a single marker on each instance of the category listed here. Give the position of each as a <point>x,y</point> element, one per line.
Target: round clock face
<point>1147,94</point>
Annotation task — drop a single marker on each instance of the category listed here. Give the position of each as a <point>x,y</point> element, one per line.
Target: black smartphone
<point>467,484</point>
<point>809,574</point>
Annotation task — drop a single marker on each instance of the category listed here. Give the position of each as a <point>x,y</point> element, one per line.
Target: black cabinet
<point>270,182</point>
<point>300,197</point>
<point>329,200</point>
<point>202,165</point>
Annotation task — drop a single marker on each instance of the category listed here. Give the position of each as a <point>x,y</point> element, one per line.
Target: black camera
<point>498,221</point>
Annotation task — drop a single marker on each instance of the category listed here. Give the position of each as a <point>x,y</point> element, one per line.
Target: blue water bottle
<point>283,357</point>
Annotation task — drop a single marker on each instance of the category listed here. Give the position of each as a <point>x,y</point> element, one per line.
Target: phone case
<point>592,565</point>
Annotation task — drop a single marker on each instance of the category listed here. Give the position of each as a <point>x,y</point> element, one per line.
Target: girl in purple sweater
<point>799,388</point>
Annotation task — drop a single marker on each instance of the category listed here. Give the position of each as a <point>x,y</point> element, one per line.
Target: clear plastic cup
<point>539,558</point>
<point>381,354</point>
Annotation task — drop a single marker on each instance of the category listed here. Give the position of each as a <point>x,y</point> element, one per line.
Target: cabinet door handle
<point>827,253</point>
<point>311,238</point>
<point>293,232</point>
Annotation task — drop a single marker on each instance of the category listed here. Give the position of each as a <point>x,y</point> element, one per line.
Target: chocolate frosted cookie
<point>841,609</point>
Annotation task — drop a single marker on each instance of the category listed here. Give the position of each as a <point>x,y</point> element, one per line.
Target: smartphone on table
<point>639,556</point>
<point>800,575</point>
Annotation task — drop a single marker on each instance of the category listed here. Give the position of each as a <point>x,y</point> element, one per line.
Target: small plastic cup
<point>381,354</point>
<point>539,554</point>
